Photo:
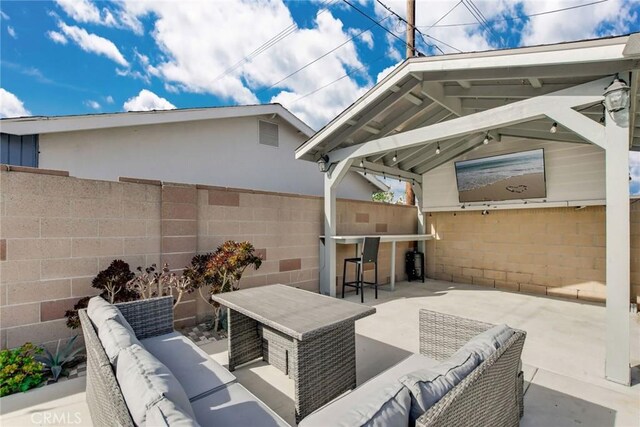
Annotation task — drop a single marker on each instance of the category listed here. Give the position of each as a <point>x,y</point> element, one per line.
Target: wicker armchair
<point>148,318</point>
<point>491,395</point>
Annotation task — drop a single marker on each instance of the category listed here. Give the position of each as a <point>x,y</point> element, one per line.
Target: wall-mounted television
<point>514,176</point>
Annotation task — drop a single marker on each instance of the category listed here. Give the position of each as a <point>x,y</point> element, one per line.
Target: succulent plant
<point>56,364</point>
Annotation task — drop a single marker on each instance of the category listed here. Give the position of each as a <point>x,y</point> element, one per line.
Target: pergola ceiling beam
<point>435,118</point>
<point>404,155</point>
<point>401,91</point>
<point>535,82</point>
<point>538,71</point>
<point>401,120</point>
<point>501,91</point>
<point>379,169</point>
<point>540,135</point>
<point>437,92</point>
<point>484,104</point>
<point>451,152</point>
<point>464,83</point>
<point>557,106</point>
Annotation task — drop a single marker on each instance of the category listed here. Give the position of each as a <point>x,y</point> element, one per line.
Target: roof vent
<point>267,133</point>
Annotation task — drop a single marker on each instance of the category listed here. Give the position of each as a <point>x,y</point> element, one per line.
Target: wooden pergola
<point>452,103</point>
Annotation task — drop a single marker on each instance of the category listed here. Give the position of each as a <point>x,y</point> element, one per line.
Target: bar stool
<point>369,255</point>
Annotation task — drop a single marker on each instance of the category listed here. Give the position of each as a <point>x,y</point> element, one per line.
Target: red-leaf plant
<point>221,271</point>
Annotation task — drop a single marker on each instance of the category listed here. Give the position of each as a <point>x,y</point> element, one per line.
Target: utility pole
<point>410,197</point>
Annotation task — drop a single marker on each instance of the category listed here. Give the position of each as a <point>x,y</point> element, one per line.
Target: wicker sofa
<point>490,394</point>
<point>214,396</point>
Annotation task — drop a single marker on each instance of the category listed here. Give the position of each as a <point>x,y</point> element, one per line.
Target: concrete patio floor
<point>563,358</point>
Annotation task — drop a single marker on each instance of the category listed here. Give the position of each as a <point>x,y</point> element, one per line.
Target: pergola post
<point>328,249</point>
<point>617,362</point>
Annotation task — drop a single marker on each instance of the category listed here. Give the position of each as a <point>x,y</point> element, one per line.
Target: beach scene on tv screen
<point>513,176</point>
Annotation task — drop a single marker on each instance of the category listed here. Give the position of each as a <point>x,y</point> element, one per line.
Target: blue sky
<point>315,57</point>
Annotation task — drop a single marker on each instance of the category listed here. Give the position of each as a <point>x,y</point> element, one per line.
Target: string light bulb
<point>395,156</point>
<point>554,128</point>
<point>361,163</point>
<point>438,149</point>
<point>486,140</point>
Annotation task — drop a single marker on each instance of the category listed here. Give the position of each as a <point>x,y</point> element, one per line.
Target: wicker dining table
<point>308,336</point>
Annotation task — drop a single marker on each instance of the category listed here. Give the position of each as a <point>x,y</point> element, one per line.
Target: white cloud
<point>196,56</point>
<point>11,106</point>
<point>57,37</point>
<point>4,15</point>
<point>147,101</point>
<point>92,104</point>
<point>109,99</point>
<point>575,24</point>
<point>93,43</point>
<point>12,31</point>
<point>607,18</point>
<point>85,11</point>
<point>384,73</point>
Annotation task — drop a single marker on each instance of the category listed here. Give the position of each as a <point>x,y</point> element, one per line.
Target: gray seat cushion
<point>144,381</point>
<point>114,337</point>
<point>194,369</point>
<point>381,401</point>
<point>487,342</point>
<point>428,386</point>
<point>165,413</point>
<point>234,405</point>
<point>100,310</point>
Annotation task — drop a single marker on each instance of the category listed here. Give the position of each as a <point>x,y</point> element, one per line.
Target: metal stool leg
<point>376,279</point>
<point>344,277</point>
<point>361,278</point>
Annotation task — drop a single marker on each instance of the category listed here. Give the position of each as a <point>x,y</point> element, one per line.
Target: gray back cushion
<point>383,406</point>
<point>114,337</point>
<point>487,342</point>
<point>165,413</point>
<point>144,381</point>
<point>428,386</point>
<point>100,310</point>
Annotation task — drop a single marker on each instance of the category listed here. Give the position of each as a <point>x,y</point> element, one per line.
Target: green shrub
<point>19,370</point>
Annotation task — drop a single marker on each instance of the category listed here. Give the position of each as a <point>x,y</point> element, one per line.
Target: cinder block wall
<point>554,251</point>
<point>57,232</point>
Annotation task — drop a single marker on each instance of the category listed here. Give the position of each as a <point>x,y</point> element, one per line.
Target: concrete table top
<point>295,312</point>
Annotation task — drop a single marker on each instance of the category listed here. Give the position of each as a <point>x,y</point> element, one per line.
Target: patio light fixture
<point>486,139</point>
<point>438,149</point>
<point>395,156</point>
<point>616,96</point>
<point>323,164</point>
<point>554,128</point>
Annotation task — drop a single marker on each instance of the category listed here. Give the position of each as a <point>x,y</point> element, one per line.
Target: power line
<point>380,25</point>
<point>271,42</point>
<point>444,16</point>
<point>422,35</point>
<point>475,12</point>
<point>338,79</point>
<point>517,18</point>
<point>323,56</point>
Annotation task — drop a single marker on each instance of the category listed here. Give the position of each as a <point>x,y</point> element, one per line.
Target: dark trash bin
<point>414,265</point>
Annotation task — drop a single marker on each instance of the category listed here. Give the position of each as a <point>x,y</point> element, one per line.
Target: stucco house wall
<point>222,152</point>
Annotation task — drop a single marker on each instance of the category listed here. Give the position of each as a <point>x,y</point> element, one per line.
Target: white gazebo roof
<point>429,90</point>
<point>454,102</point>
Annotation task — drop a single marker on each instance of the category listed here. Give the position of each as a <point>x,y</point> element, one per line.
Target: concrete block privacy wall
<point>553,251</point>
<point>57,232</point>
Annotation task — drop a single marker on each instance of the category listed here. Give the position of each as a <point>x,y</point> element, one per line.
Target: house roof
<point>53,124</point>
<point>428,90</point>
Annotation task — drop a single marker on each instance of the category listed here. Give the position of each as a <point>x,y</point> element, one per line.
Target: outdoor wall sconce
<point>616,96</point>
<point>554,128</point>
<point>323,164</point>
